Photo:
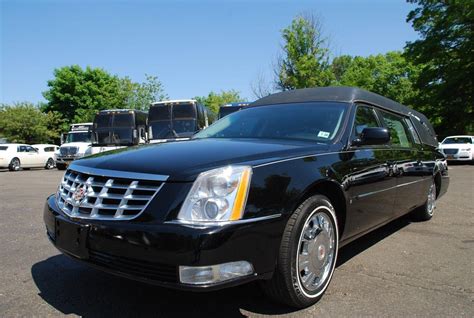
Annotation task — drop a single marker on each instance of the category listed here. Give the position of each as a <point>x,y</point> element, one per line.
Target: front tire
<point>307,256</point>
<point>14,165</point>
<point>49,164</point>
<point>61,166</point>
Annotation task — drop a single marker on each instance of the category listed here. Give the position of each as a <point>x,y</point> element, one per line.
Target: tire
<point>15,164</point>
<point>50,164</point>
<point>305,255</point>
<point>426,211</point>
<point>61,166</point>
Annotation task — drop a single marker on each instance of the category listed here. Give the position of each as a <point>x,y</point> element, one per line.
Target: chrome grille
<point>68,151</point>
<point>450,151</point>
<point>87,196</point>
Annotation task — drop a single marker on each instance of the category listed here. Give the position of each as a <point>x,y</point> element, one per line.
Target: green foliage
<point>214,100</point>
<point>25,123</point>
<point>387,74</point>
<point>446,51</point>
<point>141,95</point>
<point>306,58</point>
<point>78,94</point>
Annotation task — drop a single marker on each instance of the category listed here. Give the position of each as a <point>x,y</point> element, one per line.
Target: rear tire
<point>49,164</point>
<point>307,255</point>
<point>61,166</point>
<point>426,211</point>
<point>15,164</point>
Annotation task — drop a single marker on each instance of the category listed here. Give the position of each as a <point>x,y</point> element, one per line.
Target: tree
<point>260,86</point>
<point>305,61</point>
<point>445,50</point>
<point>25,123</point>
<point>390,75</point>
<point>214,100</point>
<point>77,94</point>
<point>141,95</point>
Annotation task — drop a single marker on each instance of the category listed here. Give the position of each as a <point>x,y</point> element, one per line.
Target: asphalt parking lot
<point>402,269</point>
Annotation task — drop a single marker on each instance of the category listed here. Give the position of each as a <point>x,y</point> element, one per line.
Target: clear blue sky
<point>192,46</point>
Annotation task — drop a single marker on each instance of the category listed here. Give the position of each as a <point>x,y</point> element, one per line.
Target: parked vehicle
<point>174,120</point>
<point>74,144</point>
<point>49,151</point>
<point>228,109</point>
<point>118,128</point>
<point>268,193</point>
<point>18,156</point>
<point>458,148</point>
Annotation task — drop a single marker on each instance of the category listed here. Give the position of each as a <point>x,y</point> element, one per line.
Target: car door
<point>35,158</point>
<point>23,155</point>
<point>369,182</point>
<point>406,162</point>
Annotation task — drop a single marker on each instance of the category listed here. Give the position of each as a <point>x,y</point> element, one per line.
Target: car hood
<point>184,160</point>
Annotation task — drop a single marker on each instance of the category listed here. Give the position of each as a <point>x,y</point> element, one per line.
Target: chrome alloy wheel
<point>15,164</point>
<point>316,251</point>
<point>431,201</point>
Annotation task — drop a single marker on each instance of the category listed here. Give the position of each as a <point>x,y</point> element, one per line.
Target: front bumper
<point>460,156</point>
<point>152,253</point>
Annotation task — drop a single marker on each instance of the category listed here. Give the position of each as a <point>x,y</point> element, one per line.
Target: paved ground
<point>402,269</point>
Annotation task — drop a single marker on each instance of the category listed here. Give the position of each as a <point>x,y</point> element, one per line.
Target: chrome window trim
<point>118,174</point>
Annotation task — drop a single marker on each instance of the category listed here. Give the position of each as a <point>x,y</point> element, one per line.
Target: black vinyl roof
<point>353,95</point>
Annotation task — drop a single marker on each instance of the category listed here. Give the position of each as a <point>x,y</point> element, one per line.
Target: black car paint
<point>369,187</point>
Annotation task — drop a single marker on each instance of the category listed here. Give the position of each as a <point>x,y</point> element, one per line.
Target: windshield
<point>317,121</point>
<point>116,136</point>
<point>224,111</point>
<point>457,140</point>
<point>79,137</point>
<point>177,121</point>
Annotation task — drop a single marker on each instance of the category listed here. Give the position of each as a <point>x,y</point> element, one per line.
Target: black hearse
<point>268,193</point>
<point>176,120</point>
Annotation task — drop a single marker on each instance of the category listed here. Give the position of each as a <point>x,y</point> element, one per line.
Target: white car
<point>458,148</point>
<point>49,151</point>
<point>17,156</point>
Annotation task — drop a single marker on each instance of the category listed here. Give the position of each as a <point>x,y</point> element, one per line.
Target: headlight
<point>217,195</point>
<point>466,149</point>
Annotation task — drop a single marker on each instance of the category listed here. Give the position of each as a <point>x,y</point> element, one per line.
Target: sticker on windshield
<point>323,134</point>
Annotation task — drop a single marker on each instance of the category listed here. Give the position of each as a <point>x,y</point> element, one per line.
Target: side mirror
<point>373,136</point>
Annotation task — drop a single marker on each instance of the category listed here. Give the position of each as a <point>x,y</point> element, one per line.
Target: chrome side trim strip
<point>316,155</point>
<point>204,225</point>
<point>296,158</point>
<point>118,174</point>
<point>391,188</point>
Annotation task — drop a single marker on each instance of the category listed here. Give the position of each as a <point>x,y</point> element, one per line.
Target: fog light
<point>215,273</point>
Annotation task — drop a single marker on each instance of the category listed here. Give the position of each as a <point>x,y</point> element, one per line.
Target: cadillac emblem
<point>79,194</point>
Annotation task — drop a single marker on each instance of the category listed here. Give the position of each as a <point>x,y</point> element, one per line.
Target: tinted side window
<point>30,149</point>
<point>365,117</point>
<point>399,134</point>
<point>49,149</point>
<point>22,149</point>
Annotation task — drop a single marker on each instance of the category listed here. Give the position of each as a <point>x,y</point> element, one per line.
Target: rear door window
<point>3,148</point>
<point>399,132</point>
